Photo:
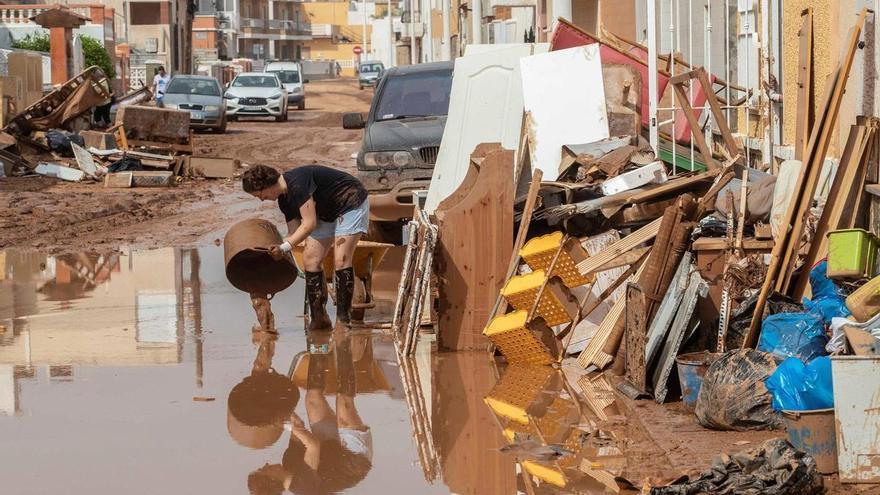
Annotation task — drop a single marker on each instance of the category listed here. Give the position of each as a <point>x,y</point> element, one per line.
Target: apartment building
<point>257,29</point>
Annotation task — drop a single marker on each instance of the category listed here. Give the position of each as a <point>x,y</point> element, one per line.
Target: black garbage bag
<point>741,317</point>
<point>733,395</point>
<point>59,142</point>
<point>125,164</point>
<point>774,468</point>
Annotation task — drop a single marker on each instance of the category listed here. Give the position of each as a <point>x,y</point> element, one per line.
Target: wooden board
<point>640,236</point>
<point>636,336</point>
<point>473,252</point>
<point>805,86</point>
<point>680,325</point>
<point>118,179</point>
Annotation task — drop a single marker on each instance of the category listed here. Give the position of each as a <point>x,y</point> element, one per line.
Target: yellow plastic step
<point>512,336</point>
<point>539,252</point>
<point>557,306</point>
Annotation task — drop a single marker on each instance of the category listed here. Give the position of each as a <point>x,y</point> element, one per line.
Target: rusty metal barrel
<point>248,264</point>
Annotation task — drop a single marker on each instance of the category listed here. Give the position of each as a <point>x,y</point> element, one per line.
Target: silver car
<point>256,94</point>
<point>202,97</point>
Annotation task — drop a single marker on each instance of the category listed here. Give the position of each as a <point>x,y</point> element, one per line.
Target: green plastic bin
<point>852,254</point>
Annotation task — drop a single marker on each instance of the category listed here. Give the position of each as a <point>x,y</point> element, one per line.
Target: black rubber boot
<point>316,294</point>
<point>344,292</point>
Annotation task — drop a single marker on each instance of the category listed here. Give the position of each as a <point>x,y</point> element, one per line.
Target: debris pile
<point>580,239</point>
<point>146,147</point>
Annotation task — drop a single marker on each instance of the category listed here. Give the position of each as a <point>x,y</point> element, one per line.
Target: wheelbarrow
<point>367,255</point>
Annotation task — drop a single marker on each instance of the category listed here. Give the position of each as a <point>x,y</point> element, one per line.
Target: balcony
<point>289,25</point>
<point>21,14</point>
<point>253,23</point>
<point>408,29</point>
<point>325,30</point>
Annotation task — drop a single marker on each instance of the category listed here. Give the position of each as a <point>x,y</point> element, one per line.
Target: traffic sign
<point>357,50</point>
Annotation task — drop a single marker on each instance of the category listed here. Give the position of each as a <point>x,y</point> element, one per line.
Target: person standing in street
<point>324,208</point>
<point>160,82</point>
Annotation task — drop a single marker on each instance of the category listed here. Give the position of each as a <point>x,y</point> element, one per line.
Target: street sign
<point>357,50</point>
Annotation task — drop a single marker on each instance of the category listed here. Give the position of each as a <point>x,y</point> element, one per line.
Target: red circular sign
<point>357,50</point>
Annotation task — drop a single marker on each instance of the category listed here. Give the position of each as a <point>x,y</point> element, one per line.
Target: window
<point>415,95</point>
<point>255,82</point>
<point>189,86</point>
<point>287,76</point>
<point>146,13</point>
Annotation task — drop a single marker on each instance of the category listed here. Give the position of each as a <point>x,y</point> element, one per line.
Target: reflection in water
<point>334,451</point>
<point>58,312</point>
<point>557,438</point>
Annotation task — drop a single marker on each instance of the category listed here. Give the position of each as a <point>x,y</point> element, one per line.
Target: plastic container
<point>857,414</point>
<point>864,303</point>
<point>852,253</point>
<point>248,264</point>
<point>691,370</point>
<point>813,432</point>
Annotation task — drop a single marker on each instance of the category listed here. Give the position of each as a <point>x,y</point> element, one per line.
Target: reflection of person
<point>324,208</point>
<point>258,406</point>
<point>160,82</point>
<point>335,451</point>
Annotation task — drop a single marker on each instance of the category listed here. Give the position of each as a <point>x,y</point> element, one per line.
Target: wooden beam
<point>640,236</point>
<point>803,120</point>
<point>693,122</point>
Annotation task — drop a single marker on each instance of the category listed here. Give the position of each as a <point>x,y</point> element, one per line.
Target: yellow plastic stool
<point>557,306</point>
<point>512,334</point>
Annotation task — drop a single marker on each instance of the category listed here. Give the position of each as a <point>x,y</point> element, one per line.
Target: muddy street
<point>53,216</point>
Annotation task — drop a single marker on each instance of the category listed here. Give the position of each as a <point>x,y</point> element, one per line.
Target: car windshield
<point>415,95</point>
<point>287,76</point>
<point>371,68</point>
<point>268,81</point>
<point>188,86</point>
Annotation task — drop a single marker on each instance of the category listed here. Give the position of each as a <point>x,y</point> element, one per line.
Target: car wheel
<point>360,87</point>
<point>222,128</point>
<point>302,105</point>
<point>232,118</point>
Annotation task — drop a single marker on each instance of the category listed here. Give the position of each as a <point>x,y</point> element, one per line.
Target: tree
<point>94,52</point>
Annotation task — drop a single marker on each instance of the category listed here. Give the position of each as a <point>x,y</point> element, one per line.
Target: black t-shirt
<point>334,191</point>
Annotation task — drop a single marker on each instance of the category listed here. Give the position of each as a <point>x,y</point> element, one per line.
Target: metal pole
<point>477,21</point>
<point>390,37</point>
<point>652,75</point>
<point>364,27</point>
<point>412,32</point>
<point>446,50</point>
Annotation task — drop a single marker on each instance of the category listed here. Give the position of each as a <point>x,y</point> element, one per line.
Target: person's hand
<point>276,253</point>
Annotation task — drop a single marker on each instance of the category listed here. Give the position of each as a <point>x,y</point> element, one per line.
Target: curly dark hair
<point>259,177</point>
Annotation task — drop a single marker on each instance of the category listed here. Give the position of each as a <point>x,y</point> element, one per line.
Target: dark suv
<point>402,136</point>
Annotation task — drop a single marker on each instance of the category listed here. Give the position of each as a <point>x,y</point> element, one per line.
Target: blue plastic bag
<point>800,335</point>
<point>796,386</point>
<point>827,300</point>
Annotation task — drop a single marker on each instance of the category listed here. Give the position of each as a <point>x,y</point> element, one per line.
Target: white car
<point>256,94</point>
<point>290,74</point>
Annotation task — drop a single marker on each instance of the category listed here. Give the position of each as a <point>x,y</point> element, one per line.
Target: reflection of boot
<point>316,294</point>
<point>344,291</point>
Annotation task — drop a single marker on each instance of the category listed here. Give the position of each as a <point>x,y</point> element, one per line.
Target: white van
<point>290,74</point>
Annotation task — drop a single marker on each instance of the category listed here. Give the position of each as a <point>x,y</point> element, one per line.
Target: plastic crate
<point>557,305</point>
<point>539,252</point>
<point>852,254</point>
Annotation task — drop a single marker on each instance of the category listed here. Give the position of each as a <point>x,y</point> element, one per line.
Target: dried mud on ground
<point>53,216</point>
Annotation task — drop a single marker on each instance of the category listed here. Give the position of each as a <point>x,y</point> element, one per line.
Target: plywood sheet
<point>559,110</point>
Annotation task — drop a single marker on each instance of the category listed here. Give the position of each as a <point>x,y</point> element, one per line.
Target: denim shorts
<point>356,221</point>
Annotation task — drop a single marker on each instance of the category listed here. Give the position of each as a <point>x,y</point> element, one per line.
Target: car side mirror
<point>353,120</point>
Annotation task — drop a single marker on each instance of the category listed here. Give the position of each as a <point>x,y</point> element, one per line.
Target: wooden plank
<point>628,243</point>
<point>803,120</point>
<point>817,158</point>
<point>521,234</point>
<point>624,259</point>
<point>636,336</point>
<point>694,125</point>
<point>673,186</point>
<point>473,251</point>
<point>843,185</point>
<point>594,354</point>
<point>718,115</point>
<point>118,179</point>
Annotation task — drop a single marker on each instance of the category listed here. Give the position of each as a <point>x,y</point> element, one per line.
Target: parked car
<point>202,96</point>
<point>369,73</point>
<point>401,139</point>
<point>290,74</point>
<point>256,94</point>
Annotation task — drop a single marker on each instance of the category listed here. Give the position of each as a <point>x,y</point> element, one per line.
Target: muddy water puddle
<point>138,372</point>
